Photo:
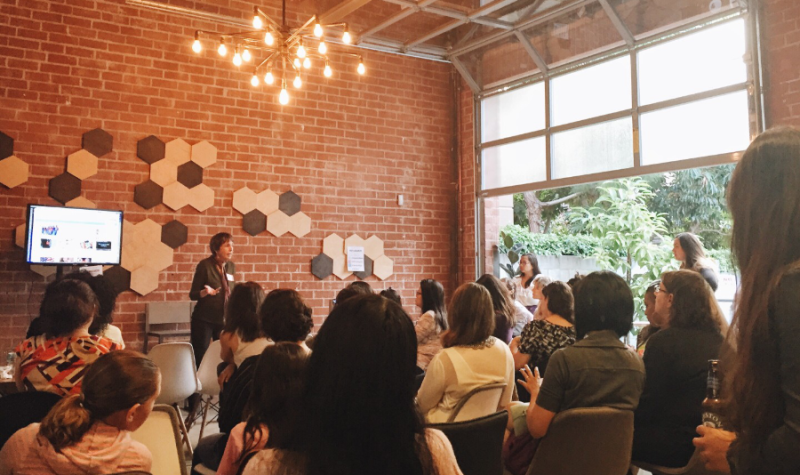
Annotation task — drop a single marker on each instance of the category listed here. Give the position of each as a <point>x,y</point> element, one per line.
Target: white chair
<point>160,433</point>
<point>178,377</point>
<point>209,384</point>
<point>479,402</point>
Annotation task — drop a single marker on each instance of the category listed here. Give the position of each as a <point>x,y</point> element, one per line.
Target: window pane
<point>593,149</point>
<point>647,17</point>
<point>698,129</point>
<point>514,164</point>
<point>592,91</point>
<point>699,62</point>
<point>513,113</point>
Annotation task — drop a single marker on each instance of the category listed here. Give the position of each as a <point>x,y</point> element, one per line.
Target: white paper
<point>355,258</point>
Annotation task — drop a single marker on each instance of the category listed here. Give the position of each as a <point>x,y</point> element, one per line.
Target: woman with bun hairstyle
<point>89,433</point>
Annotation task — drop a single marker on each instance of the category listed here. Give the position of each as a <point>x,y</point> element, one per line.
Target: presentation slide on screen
<point>74,236</point>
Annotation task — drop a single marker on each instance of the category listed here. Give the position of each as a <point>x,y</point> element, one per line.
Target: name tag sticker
<point>230,277</point>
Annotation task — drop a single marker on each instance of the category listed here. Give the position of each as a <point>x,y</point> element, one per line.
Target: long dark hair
<point>534,267</point>
<point>764,201</point>
<point>501,301</point>
<point>241,313</point>
<point>693,248</point>
<point>693,303</point>
<point>358,417</point>
<point>115,381</point>
<point>471,316</point>
<point>278,383</point>
<point>433,300</point>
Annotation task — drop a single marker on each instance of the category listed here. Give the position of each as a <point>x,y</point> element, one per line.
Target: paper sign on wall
<point>355,258</point>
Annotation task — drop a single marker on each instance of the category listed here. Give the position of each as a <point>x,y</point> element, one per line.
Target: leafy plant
<point>513,251</point>
<point>548,244</point>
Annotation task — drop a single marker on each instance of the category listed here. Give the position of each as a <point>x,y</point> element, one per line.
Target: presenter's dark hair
<point>217,241</point>
<point>603,301</point>
<point>68,304</point>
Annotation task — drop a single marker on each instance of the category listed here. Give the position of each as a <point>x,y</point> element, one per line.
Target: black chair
<point>22,409</point>
<point>478,443</point>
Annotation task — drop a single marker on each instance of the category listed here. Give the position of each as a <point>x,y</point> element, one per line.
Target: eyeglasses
<point>660,290</point>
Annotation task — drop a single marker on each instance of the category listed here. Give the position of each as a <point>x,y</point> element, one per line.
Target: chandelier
<point>288,51</point>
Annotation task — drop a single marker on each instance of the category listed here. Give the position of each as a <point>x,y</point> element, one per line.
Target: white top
<point>250,348</point>
<point>521,318</point>
<point>114,334</point>
<point>457,370</point>
<point>525,296</point>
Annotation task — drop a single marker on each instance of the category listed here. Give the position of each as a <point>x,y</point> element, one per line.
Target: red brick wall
<point>781,36</point>
<point>347,146</point>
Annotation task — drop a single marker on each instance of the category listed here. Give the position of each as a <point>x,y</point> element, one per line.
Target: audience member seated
<point>392,295</point>
<point>529,269</point>
<point>541,338</point>
<point>274,403</point>
<point>521,314</point>
<point>432,322</point>
<point>597,371</point>
<point>504,312</point>
<point>89,433</point>
<point>676,361</point>
<point>56,360</point>
<point>242,336</point>
<point>575,279</point>
<point>539,283</point>
<point>653,318</point>
<point>106,298</point>
<point>359,415</point>
<point>688,249</point>
<point>471,357</point>
<point>353,289</point>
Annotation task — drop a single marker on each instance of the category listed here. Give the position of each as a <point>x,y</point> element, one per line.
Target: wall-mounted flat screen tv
<point>73,236</point>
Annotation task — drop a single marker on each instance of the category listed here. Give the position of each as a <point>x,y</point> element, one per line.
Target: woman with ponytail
<point>89,433</point>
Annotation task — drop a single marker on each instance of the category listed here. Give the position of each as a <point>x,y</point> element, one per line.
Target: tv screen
<point>73,236</point>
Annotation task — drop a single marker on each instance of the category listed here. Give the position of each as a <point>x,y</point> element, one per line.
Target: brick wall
<point>347,146</point>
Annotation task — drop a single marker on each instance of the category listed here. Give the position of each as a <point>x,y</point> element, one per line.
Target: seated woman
<point>597,371</point>
<point>242,336</point>
<point>676,360</point>
<point>432,322</point>
<point>521,314</point>
<point>541,338</point>
<point>90,432</point>
<point>539,283</point>
<point>359,415</point>
<point>471,357</point>
<point>653,317</point>
<point>274,403</point>
<point>504,312</point>
<point>392,295</point>
<point>56,361</point>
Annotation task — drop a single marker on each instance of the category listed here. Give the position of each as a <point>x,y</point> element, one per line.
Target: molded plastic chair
<point>478,443</point>
<point>160,433</point>
<point>19,410</point>
<point>479,402</point>
<point>694,467</point>
<point>178,377</point>
<point>207,375</point>
<point>595,440</point>
<point>163,313</point>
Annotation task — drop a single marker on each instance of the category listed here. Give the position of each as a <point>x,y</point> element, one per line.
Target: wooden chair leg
<point>205,415</point>
<point>184,431</point>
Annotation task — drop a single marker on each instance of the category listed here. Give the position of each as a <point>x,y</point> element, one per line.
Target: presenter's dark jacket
<point>210,308</point>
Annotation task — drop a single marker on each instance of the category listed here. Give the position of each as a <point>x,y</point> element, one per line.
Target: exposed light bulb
<point>346,38</point>
<point>307,63</point>
<point>283,97</point>
<point>361,69</point>
<point>269,78</point>
<point>301,51</point>
<point>323,48</point>
<point>269,39</point>
<point>237,59</point>
<point>196,46</point>
<point>298,83</point>
<point>254,80</point>
<point>246,55</point>
<point>222,50</point>
<point>318,30</point>
<point>257,23</point>
<point>297,63</point>
<point>328,72</point>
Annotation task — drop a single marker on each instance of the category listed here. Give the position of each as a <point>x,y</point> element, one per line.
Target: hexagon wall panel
<point>190,174</point>
<point>174,234</point>
<point>340,267</point>
<point>244,200</point>
<point>383,267</point>
<point>120,278</point>
<point>367,269</point>
<point>14,172</point>
<point>289,203</point>
<point>202,197</point>
<point>82,164</point>
<point>64,187</point>
<point>144,280</point>
<point>6,146</point>
<point>147,194</point>
<point>278,223</point>
<point>177,152</point>
<point>98,142</point>
<point>161,254</point>
<point>333,245</point>
<point>163,172</point>
<point>19,235</point>
<point>44,271</point>
<point>267,202</point>
<point>149,231</point>
<point>353,240</point>
<point>322,266</point>
<point>373,247</point>
<point>300,224</point>
<point>81,202</point>
<point>254,222</point>
<point>176,196</point>
<point>204,154</point>
<point>150,149</point>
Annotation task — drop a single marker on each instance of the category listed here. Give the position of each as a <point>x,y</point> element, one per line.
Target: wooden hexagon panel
<point>254,206</point>
<point>64,187</point>
<point>147,249</point>
<point>6,146</point>
<point>334,247</point>
<point>174,234</point>
<point>174,170</point>
<point>81,202</point>
<point>82,164</point>
<point>98,142</point>
<point>13,172</point>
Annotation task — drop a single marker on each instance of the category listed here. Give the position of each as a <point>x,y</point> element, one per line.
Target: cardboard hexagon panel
<point>98,142</point>
<point>340,267</point>
<point>82,164</point>
<point>120,278</point>
<point>254,222</point>
<point>44,271</point>
<point>81,202</point>
<point>367,269</point>
<point>13,172</point>
<point>176,196</point>
<point>174,234</point>
<point>289,203</point>
<point>64,187</point>
<point>373,247</point>
<point>383,267</point>
<point>204,154</point>
<point>178,152</point>
<point>268,204</point>
<point>147,249</point>
<point>202,197</point>
<point>6,146</point>
<point>278,223</point>
<point>190,174</point>
<point>148,194</point>
<point>244,200</point>
<point>300,224</point>
<point>335,247</point>
<point>150,149</point>
<point>19,235</point>
<point>322,266</point>
<point>163,172</point>
<point>144,280</point>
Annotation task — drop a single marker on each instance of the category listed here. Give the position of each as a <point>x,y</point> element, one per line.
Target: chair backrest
<point>19,410</point>
<point>479,402</point>
<point>594,440</point>
<point>178,373</point>
<point>161,434</point>
<point>207,372</point>
<point>478,444</point>
<point>158,313</point>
